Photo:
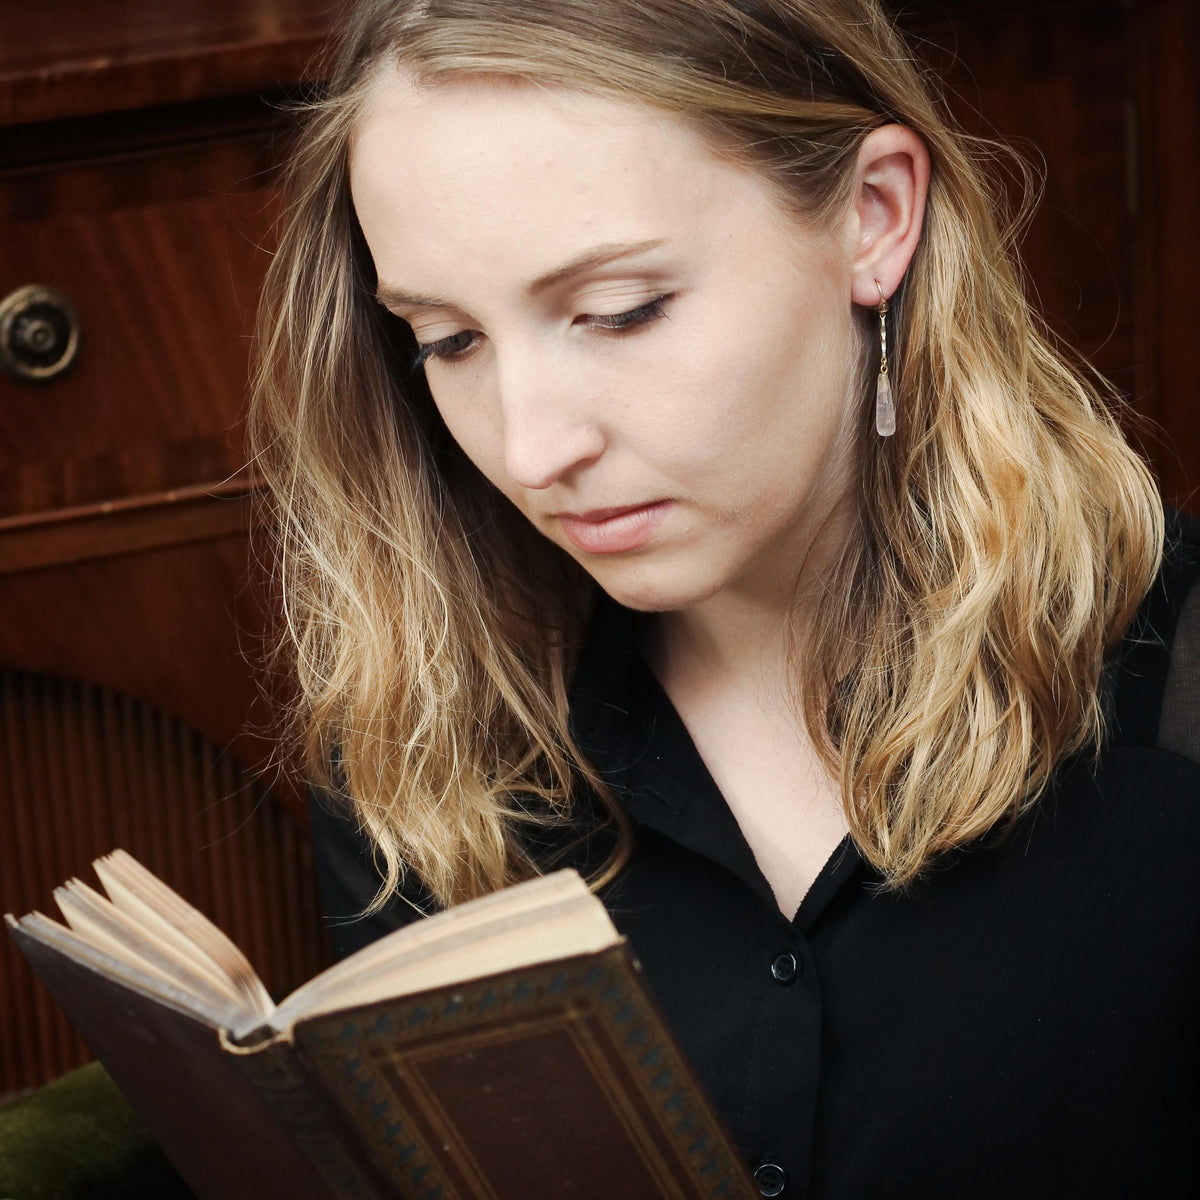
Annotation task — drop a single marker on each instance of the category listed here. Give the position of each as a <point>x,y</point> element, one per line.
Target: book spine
<point>305,1112</point>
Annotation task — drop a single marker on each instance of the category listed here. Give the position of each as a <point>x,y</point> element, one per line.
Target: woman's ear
<point>891,183</point>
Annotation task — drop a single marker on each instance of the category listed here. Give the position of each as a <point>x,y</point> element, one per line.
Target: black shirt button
<point>771,1179</point>
<point>784,969</point>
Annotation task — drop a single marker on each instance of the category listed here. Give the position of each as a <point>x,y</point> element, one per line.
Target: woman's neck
<point>748,637</point>
<point>727,666</point>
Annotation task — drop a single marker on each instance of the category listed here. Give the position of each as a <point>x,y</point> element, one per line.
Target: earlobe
<point>892,183</point>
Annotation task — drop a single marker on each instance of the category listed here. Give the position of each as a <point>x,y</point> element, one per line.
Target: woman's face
<point>625,333</point>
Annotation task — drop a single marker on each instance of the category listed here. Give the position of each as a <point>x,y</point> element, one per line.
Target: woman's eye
<point>449,348</point>
<point>642,315</point>
<point>458,345</point>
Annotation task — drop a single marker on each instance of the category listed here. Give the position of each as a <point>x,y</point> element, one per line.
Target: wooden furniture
<point>135,175</point>
<point>137,149</point>
<point>137,156</point>
<point>106,770</point>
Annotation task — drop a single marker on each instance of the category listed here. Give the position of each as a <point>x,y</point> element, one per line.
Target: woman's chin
<point>648,590</point>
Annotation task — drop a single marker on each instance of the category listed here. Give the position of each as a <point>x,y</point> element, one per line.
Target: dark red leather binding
<point>216,1129</point>
<point>555,1080</point>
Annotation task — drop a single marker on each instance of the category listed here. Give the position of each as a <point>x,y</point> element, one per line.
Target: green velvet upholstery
<point>78,1139</point>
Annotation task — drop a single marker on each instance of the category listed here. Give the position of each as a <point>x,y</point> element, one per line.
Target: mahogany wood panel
<point>126,506</point>
<point>61,58</point>
<point>108,771</point>
<point>159,251</point>
<point>180,627</point>
<point>1057,86</point>
<point>69,535</point>
<point>1103,93</point>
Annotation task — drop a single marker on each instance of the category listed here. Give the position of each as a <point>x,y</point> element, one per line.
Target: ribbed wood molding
<point>129,525</point>
<point>84,769</point>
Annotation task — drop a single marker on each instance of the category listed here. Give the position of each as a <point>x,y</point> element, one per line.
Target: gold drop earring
<point>885,408</point>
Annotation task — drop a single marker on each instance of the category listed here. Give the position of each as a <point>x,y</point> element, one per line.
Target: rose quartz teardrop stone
<point>885,410</point>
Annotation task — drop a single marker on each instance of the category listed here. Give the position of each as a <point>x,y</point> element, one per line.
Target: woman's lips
<point>614,530</point>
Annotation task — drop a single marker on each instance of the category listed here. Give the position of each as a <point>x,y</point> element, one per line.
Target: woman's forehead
<point>475,142</point>
<point>394,90</point>
<point>478,176</point>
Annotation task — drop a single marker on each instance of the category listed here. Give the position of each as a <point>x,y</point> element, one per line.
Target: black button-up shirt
<point>1023,1023</point>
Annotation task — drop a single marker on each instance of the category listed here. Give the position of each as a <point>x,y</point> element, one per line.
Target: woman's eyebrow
<point>598,256</point>
<point>389,295</point>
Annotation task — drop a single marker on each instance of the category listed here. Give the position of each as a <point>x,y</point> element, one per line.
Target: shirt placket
<point>671,791</point>
<point>650,760</point>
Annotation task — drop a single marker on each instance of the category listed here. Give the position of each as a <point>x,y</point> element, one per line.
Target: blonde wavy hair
<point>1005,534</point>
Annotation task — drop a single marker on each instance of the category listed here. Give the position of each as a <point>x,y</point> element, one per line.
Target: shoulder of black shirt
<point>1153,681</point>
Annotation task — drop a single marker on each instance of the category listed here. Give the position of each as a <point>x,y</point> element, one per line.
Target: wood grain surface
<point>108,771</point>
<point>62,58</point>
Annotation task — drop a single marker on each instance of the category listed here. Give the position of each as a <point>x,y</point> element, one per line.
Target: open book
<point>504,1049</point>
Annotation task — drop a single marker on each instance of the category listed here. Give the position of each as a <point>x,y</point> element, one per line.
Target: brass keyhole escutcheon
<point>39,333</point>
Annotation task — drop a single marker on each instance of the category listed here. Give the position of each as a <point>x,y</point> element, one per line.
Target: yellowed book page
<point>121,868</point>
<point>247,986</point>
<point>96,919</point>
<point>129,971</point>
<point>531,924</point>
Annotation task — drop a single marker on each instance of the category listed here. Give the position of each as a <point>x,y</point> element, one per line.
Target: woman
<point>676,485</point>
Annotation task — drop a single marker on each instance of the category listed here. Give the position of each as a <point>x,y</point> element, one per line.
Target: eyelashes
<point>447,348</point>
<point>459,345</point>
<point>642,315</point>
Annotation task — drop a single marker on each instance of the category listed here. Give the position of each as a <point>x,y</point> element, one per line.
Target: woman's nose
<point>550,427</point>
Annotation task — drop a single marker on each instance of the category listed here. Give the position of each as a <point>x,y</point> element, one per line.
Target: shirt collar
<point>625,724</point>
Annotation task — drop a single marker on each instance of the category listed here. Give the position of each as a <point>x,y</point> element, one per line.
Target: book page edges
<point>97,920</point>
<point>206,938</point>
<point>64,942</point>
<point>549,917</point>
<point>526,936</point>
<point>198,1102</point>
<point>120,875</point>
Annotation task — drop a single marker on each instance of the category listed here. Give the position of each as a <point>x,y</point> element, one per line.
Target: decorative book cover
<point>559,1080</point>
<point>550,1074</point>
